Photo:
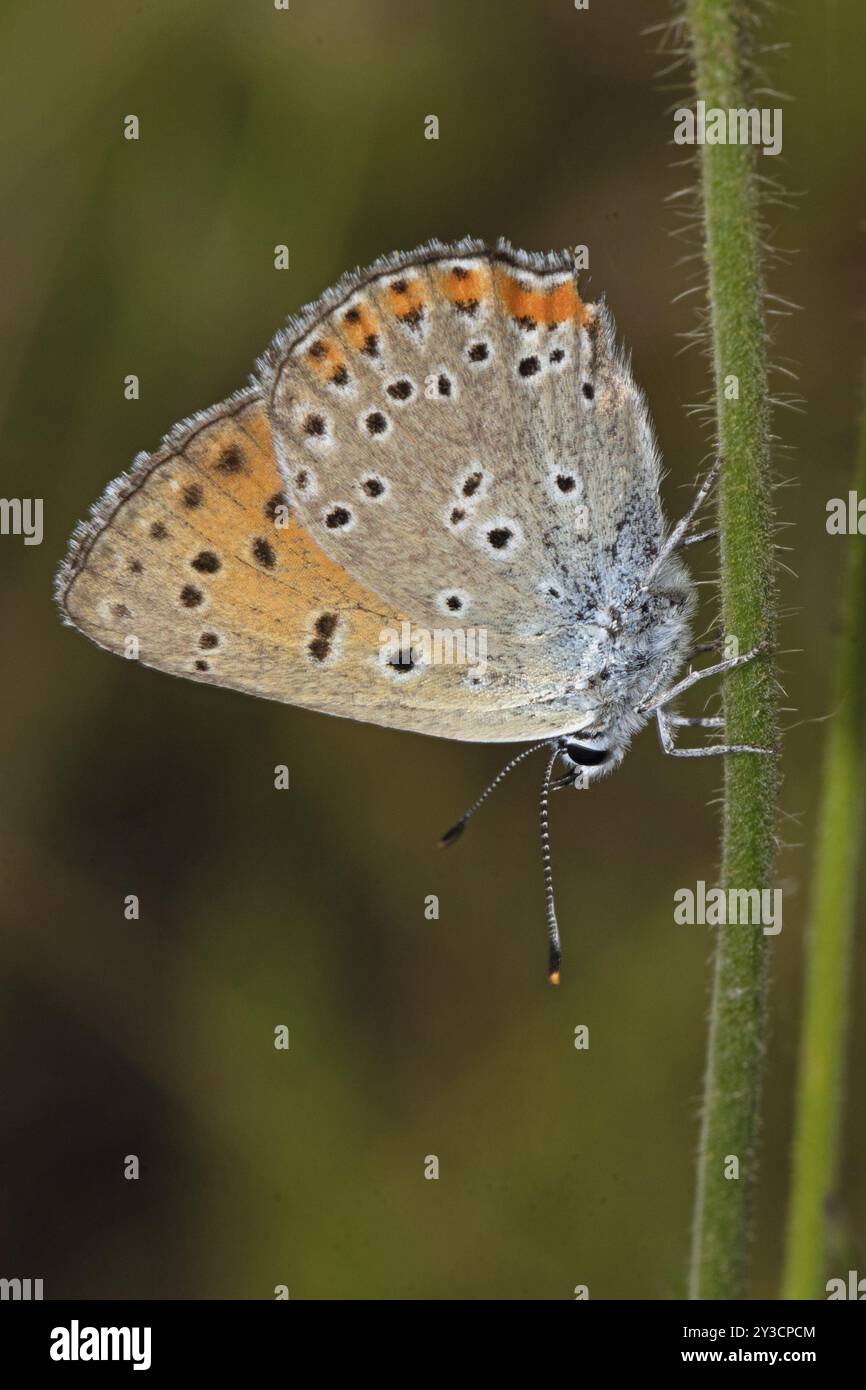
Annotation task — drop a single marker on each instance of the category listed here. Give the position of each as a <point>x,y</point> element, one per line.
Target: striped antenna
<point>555,952</point>
<point>457,829</point>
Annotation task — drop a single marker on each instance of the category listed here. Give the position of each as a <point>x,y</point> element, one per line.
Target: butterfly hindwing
<point>458,421</point>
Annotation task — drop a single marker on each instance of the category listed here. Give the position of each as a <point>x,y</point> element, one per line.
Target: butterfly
<point>448,442</point>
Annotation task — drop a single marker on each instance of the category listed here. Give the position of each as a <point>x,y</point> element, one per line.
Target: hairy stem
<point>728,1146</point>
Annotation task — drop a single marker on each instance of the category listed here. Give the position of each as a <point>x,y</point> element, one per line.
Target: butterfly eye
<point>586,757</point>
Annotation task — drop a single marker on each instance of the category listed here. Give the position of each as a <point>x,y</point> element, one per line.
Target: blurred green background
<point>306,907</point>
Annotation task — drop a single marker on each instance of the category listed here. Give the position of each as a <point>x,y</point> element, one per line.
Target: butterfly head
<point>587,757</point>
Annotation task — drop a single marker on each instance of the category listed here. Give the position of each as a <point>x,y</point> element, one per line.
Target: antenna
<point>555,952</point>
<point>457,829</point>
<point>555,746</point>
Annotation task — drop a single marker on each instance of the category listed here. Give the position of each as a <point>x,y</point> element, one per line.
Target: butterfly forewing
<point>194,563</point>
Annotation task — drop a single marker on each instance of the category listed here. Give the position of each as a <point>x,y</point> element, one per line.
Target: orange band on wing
<point>325,358</point>
<point>465,287</point>
<point>359,325</point>
<point>560,304</point>
<point>407,301</point>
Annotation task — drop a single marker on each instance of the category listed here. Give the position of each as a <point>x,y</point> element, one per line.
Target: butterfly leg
<point>683,721</point>
<point>720,668</point>
<point>668,721</point>
<point>665,723</point>
<point>709,535</point>
<point>677,535</point>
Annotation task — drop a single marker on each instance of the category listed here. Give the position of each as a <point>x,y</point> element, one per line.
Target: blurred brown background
<point>306,907</point>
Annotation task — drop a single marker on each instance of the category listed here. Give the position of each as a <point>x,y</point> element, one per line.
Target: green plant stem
<point>830,937</point>
<point>732,1088</point>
